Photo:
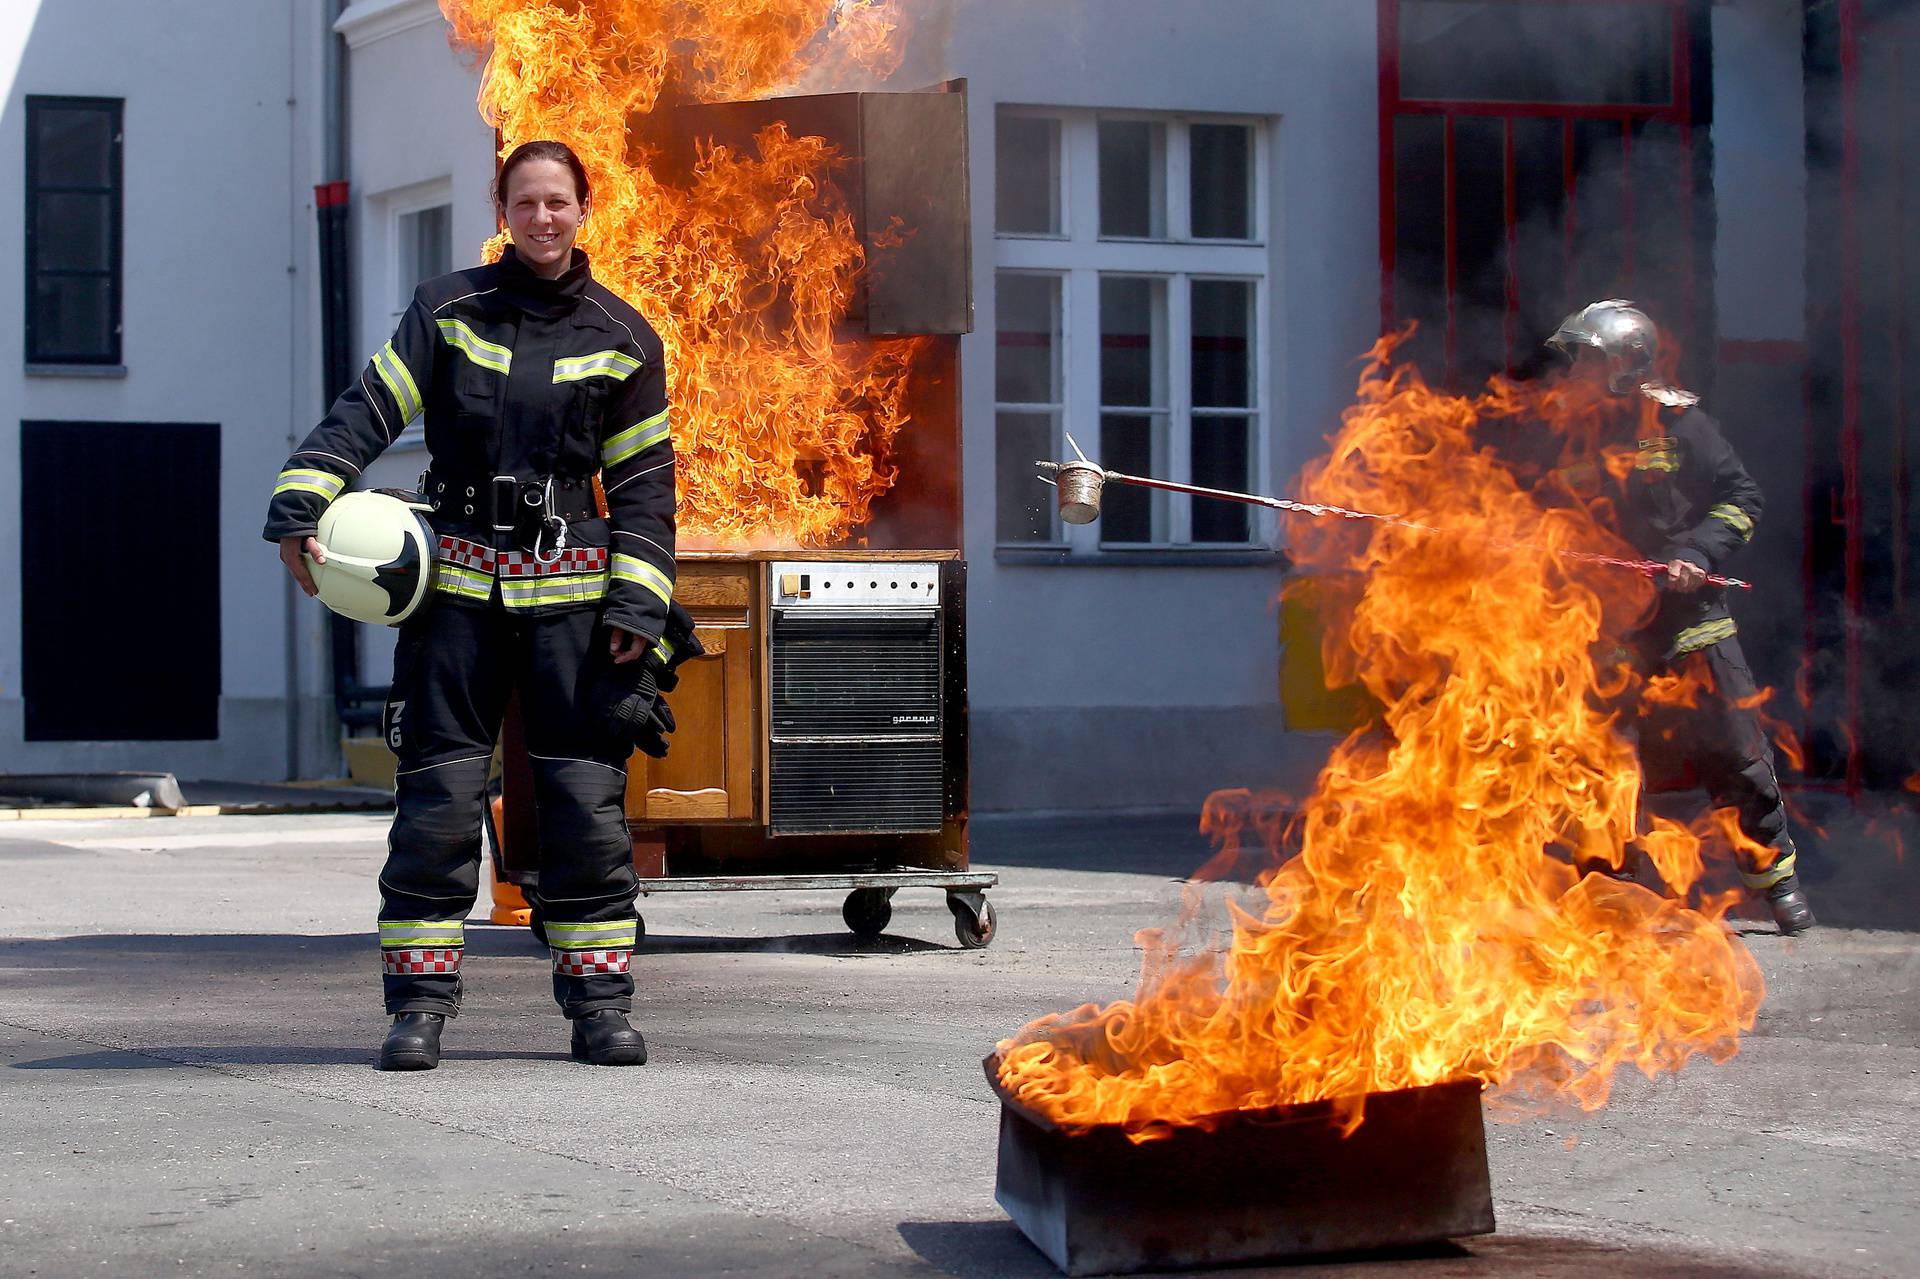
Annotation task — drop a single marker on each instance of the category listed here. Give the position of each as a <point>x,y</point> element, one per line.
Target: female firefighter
<point>531,377</point>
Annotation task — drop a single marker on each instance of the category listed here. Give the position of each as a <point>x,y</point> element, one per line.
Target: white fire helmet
<point>380,558</point>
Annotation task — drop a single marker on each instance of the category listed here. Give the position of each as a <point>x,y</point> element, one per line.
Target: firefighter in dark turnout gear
<point>1690,504</point>
<point>530,377</point>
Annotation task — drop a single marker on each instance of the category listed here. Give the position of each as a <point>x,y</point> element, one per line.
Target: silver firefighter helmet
<point>1621,332</point>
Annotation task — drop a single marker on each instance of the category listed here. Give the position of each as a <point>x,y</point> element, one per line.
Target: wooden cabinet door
<point>708,773</point>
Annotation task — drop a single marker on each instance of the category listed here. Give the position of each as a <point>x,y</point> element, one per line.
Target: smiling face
<point>543,212</point>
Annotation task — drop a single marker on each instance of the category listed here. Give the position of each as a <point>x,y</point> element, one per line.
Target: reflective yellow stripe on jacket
<point>628,568</point>
<point>296,479</point>
<point>488,355</point>
<point>1735,518</point>
<point>614,364</point>
<point>399,382</point>
<point>1659,453</point>
<point>635,439</point>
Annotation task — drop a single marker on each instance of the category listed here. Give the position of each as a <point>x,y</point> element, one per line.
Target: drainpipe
<point>331,204</point>
<point>289,614</point>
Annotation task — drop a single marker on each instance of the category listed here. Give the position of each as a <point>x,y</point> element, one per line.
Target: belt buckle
<point>506,501</point>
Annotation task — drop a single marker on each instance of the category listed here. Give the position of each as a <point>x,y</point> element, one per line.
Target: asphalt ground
<point>189,1013</point>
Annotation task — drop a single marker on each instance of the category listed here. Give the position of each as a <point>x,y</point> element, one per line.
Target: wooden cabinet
<point>713,761</point>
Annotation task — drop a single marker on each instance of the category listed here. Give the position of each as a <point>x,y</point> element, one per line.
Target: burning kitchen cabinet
<point>902,172</point>
<point>822,739</point>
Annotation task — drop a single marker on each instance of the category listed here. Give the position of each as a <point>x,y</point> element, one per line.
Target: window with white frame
<point>1130,275</point>
<point>422,248</point>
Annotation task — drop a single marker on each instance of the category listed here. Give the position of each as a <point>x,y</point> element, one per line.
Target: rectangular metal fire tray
<point>1250,1186</point>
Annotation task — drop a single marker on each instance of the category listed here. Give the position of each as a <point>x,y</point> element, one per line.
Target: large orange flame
<point>781,421</point>
<point>1433,925</point>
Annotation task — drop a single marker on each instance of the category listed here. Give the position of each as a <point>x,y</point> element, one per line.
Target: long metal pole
<point>1321,509</point>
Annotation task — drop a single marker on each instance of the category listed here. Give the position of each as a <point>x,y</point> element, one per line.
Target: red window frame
<point>1900,32</point>
<point>1393,107</point>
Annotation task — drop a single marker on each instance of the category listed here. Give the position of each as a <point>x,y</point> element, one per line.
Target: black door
<point>120,580</point>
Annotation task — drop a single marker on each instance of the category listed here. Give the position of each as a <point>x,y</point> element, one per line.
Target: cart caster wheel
<point>973,921</point>
<point>867,911</point>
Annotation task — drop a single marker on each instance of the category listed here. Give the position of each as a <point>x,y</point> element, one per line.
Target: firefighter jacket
<point>528,387</point>
<point>1688,497</point>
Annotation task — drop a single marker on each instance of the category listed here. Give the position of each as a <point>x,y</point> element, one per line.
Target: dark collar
<point>536,295</point>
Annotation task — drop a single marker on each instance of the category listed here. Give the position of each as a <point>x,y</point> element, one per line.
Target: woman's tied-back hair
<point>543,149</point>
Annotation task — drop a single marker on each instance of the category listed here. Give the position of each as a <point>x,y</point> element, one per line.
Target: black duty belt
<point>507,503</point>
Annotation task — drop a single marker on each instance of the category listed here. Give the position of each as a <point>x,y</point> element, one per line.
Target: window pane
<point>1570,51</point>
<point>1024,505</point>
<point>1420,238</point>
<point>72,318</point>
<point>426,244</point>
<point>1221,456</point>
<point>1133,178</point>
<point>1223,343</point>
<point>1133,341</point>
<point>1026,191</point>
<point>73,232</point>
<point>74,146</point>
<point>1480,249</point>
<point>1220,165</point>
<point>1600,204</point>
<point>1135,444</point>
<point>1027,339</point>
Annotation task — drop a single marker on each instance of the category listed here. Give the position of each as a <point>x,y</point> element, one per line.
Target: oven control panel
<point>852,584</point>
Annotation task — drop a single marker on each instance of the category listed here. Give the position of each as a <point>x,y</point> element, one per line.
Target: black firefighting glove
<point>626,697</point>
<point>677,644</point>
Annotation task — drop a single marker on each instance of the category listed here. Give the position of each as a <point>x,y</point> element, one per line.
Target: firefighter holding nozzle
<point>531,377</point>
<point>1689,503</point>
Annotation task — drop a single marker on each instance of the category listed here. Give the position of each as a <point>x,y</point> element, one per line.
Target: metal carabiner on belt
<point>548,520</point>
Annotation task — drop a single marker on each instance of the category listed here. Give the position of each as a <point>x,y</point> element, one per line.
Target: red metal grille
<point>1493,180</point>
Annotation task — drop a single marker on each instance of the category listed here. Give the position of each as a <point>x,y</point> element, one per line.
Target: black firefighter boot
<point>1791,910</point>
<point>413,1043</point>
<point>604,1038</point>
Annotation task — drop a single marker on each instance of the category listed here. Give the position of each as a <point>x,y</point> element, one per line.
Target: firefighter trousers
<point>1719,744</point>
<point>454,668</point>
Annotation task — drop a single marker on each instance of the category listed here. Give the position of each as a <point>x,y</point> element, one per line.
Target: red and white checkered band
<point>584,963</point>
<point>578,559</point>
<point>410,963</point>
<point>458,550</point>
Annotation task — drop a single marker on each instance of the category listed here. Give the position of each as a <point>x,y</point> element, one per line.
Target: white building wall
<point>221,132</point>
<point>415,138</point>
<point>1105,686</point>
<point>1091,686</point>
